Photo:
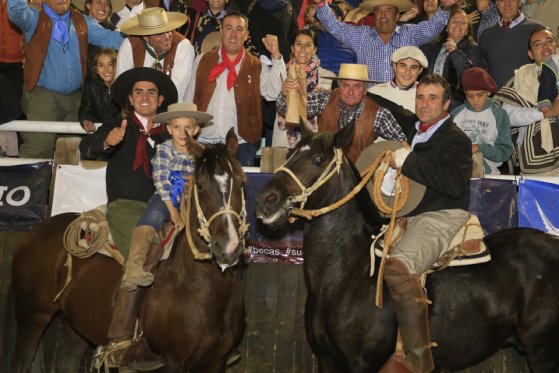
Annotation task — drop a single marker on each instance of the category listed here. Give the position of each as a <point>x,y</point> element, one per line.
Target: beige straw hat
<point>352,71</point>
<point>184,109</point>
<point>153,21</point>
<point>402,5</point>
<point>116,5</point>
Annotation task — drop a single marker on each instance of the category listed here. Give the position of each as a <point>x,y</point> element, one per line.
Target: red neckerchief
<point>423,127</point>
<point>141,156</point>
<point>226,64</point>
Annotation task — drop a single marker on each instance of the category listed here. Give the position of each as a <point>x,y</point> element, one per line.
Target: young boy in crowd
<point>173,161</point>
<point>486,124</point>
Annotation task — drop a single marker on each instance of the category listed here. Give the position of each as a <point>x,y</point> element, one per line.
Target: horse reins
<point>204,229</point>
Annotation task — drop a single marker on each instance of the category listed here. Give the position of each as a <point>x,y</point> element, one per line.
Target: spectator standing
<point>229,84</point>
<point>11,64</point>
<point>56,42</point>
<point>482,14</point>
<point>202,24</point>
<point>374,46</point>
<point>132,8</point>
<point>485,123</point>
<point>453,53</point>
<point>155,43</point>
<point>504,45</point>
<point>408,63</point>
<point>544,11</point>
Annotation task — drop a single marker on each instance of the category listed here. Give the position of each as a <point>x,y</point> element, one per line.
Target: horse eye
<point>317,161</point>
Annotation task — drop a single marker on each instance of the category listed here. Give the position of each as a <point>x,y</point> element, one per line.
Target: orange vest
<point>139,50</point>
<point>11,41</point>
<point>36,48</point>
<point>247,93</point>
<point>364,132</point>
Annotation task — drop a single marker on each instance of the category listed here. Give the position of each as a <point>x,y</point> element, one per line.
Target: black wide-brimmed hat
<point>122,87</point>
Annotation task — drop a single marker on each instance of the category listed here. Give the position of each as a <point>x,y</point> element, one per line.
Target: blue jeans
<point>246,153</point>
<point>156,215</point>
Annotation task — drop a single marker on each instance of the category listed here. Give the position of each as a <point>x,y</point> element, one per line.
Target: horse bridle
<point>332,168</point>
<point>204,224</point>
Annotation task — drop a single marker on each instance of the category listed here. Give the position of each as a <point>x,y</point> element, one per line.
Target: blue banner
<point>24,191</point>
<point>493,201</point>
<point>538,206</point>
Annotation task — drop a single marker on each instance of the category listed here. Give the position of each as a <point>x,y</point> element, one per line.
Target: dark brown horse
<point>192,315</point>
<point>476,310</point>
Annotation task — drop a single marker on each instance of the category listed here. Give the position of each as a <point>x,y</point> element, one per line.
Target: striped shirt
<point>61,71</point>
<point>166,160</point>
<point>385,124</point>
<point>369,47</point>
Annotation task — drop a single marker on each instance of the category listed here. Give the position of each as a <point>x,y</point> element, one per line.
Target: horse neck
<point>339,241</point>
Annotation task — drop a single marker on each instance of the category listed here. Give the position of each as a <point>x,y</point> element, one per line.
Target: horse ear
<point>195,147</point>
<point>342,139</point>
<point>231,141</point>
<point>305,130</point>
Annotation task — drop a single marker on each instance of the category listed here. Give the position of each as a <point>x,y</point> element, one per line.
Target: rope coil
<point>87,234</point>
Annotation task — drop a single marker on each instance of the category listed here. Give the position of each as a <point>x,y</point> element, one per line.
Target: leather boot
<point>134,274</point>
<point>410,303</point>
<point>121,331</point>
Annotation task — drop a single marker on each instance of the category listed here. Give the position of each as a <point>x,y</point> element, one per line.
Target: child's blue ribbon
<point>177,183</point>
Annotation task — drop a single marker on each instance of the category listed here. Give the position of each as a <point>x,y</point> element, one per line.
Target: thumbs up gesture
<point>116,135</point>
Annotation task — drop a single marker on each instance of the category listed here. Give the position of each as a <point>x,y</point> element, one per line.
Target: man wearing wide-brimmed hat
<point>128,146</point>
<point>229,83</point>
<point>374,46</point>
<point>335,109</point>
<point>153,42</point>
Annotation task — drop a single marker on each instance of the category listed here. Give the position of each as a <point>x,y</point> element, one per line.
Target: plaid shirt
<point>369,47</point>
<point>166,160</point>
<point>385,124</point>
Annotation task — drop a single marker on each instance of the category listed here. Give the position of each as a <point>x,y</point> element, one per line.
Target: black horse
<point>476,310</point>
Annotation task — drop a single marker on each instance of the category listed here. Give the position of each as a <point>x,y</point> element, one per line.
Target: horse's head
<point>218,200</point>
<point>310,167</point>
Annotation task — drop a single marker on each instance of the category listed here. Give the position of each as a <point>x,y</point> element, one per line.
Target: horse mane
<point>216,157</point>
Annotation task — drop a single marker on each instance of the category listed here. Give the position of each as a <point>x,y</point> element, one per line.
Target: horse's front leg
<point>29,332</point>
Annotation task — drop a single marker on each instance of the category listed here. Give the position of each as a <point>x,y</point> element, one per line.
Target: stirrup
<point>110,355</point>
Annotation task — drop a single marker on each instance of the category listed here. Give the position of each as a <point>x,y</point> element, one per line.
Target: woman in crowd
<point>453,52</point>
<point>303,49</point>
<point>97,105</point>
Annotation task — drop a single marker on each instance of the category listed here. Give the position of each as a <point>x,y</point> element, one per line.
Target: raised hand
<point>271,44</point>
<point>116,135</point>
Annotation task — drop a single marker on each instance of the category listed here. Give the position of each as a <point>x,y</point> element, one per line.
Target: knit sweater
<point>506,50</point>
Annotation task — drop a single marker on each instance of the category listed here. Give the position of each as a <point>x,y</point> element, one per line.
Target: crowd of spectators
<point>72,52</point>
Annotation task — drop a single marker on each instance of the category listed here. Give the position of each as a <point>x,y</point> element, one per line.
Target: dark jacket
<point>468,54</point>
<point>444,165</point>
<point>122,181</point>
<point>97,102</point>
<point>332,52</point>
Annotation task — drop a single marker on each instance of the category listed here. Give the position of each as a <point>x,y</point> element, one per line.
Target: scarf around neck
<point>61,25</point>
<point>141,155</point>
<point>226,64</point>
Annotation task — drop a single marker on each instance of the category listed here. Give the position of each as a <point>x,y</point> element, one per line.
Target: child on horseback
<point>172,163</point>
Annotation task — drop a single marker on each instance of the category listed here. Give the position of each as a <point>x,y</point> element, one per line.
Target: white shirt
<point>222,104</point>
<point>182,67</point>
<point>127,13</point>
<point>403,97</point>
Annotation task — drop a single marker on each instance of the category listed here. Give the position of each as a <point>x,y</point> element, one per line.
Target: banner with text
<point>24,191</point>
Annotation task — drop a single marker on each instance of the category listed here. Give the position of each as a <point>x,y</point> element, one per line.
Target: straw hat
<point>181,110</point>
<point>122,86</point>
<point>152,21</point>
<point>402,5</point>
<point>416,190</point>
<point>211,41</point>
<point>352,71</point>
<point>117,5</point>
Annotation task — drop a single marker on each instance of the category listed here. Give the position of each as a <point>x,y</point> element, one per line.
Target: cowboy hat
<point>211,41</point>
<point>184,109</point>
<point>402,5</point>
<point>352,71</point>
<point>153,21</point>
<point>416,190</point>
<point>122,87</point>
<point>116,5</point>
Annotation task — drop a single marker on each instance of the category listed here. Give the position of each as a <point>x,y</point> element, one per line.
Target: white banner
<point>79,188</point>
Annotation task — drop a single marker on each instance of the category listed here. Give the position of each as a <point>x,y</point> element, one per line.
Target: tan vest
<point>247,93</point>
<point>36,48</point>
<point>364,133</point>
<point>139,50</point>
